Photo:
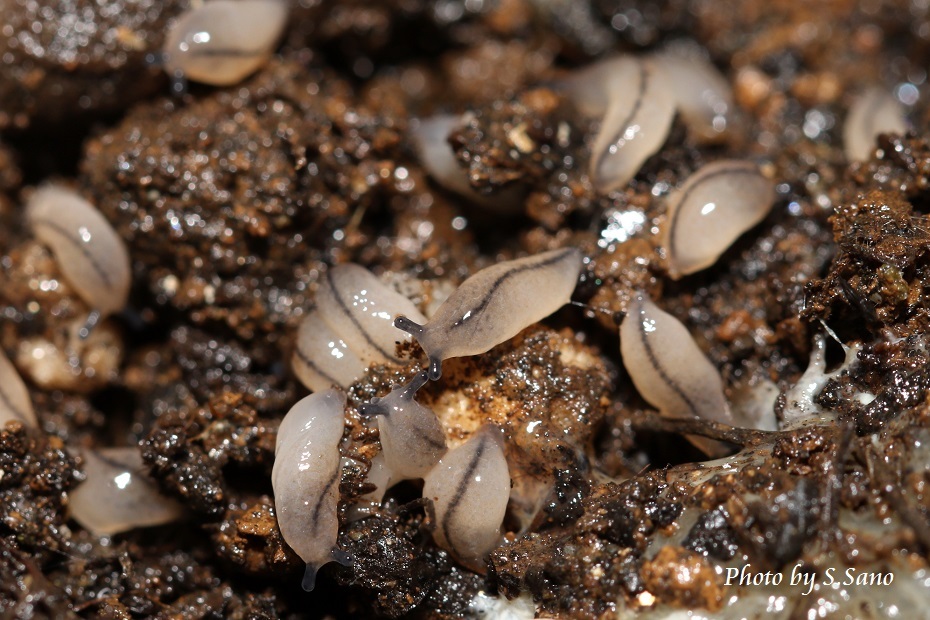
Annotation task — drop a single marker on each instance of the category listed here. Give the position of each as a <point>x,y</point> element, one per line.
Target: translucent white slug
<point>703,96</point>
<point>360,309</point>
<point>874,112</point>
<point>496,304</point>
<point>223,41</point>
<point>717,204</point>
<point>305,479</point>
<point>118,495</point>
<point>469,489</point>
<point>412,439</point>
<point>430,136</point>
<point>321,358</point>
<point>667,367</point>
<point>638,116</point>
<point>89,253</point>
<point>14,397</point>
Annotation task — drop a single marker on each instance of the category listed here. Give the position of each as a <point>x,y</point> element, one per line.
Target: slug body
<point>412,439</point>
<point>667,367</point>
<point>873,112</point>
<point>469,488</point>
<point>430,138</point>
<point>716,205</point>
<point>321,358</point>
<point>360,309</point>
<point>305,479</point>
<point>702,94</point>
<point>496,304</point>
<point>87,249</point>
<point>221,42</point>
<point>639,114</point>
<point>118,496</point>
<point>14,397</point>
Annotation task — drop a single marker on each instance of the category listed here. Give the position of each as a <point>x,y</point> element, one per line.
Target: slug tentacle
<point>496,304</point>
<point>305,478</point>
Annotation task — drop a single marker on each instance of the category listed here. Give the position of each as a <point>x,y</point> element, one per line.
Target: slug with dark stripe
<point>14,397</point>
<point>469,489</point>
<point>305,479</point>
<point>717,204</point>
<point>496,304</point>
<point>221,42</point>
<point>412,439</point>
<point>88,251</point>
<point>321,358</point>
<point>667,367</point>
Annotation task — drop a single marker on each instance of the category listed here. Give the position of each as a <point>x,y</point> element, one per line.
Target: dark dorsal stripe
<point>475,312</point>
<point>741,169</point>
<point>637,104</point>
<point>61,230</point>
<point>312,365</point>
<point>318,505</point>
<point>459,494</point>
<point>654,361</point>
<point>427,438</point>
<point>358,326</point>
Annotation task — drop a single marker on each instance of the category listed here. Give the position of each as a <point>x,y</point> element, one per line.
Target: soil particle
<point>685,579</point>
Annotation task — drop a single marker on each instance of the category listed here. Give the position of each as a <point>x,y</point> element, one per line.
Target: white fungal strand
<point>305,479</point>
<point>431,138</point>
<point>469,489</point>
<point>361,309</point>
<point>667,367</point>
<point>14,397</point>
<point>412,439</point>
<point>496,304</point>
<point>639,115</point>
<point>86,247</point>
<point>703,96</point>
<point>321,358</point>
<point>873,112</point>
<point>118,495</point>
<point>221,42</point>
<point>717,204</point>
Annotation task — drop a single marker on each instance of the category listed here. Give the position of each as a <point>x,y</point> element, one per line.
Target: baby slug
<point>469,489</point>
<point>14,397</point>
<point>305,479</point>
<point>359,308</point>
<point>412,439</point>
<point>118,495</point>
<point>88,251</point>
<point>496,304</point>
<point>873,112</point>
<point>667,367</point>
<point>717,204</point>
<point>321,358</point>
<point>221,42</point>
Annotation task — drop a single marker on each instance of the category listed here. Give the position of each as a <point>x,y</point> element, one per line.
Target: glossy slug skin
<point>717,204</point>
<point>321,358</point>
<point>361,310</point>
<point>496,304</point>
<point>639,115</point>
<point>874,112</point>
<point>221,42</point>
<point>15,403</point>
<point>412,439</point>
<point>118,495</point>
<point>305,479</point>
<point>703,95</point>
<point>667,367</point>
<point>469,489</point>
<point>86,247</point>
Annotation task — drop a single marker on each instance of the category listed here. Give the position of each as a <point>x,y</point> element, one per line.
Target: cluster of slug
<point>116,495</point>
<point>354,324</point>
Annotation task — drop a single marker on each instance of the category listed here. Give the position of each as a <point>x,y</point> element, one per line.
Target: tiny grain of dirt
<point>234,202</point>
